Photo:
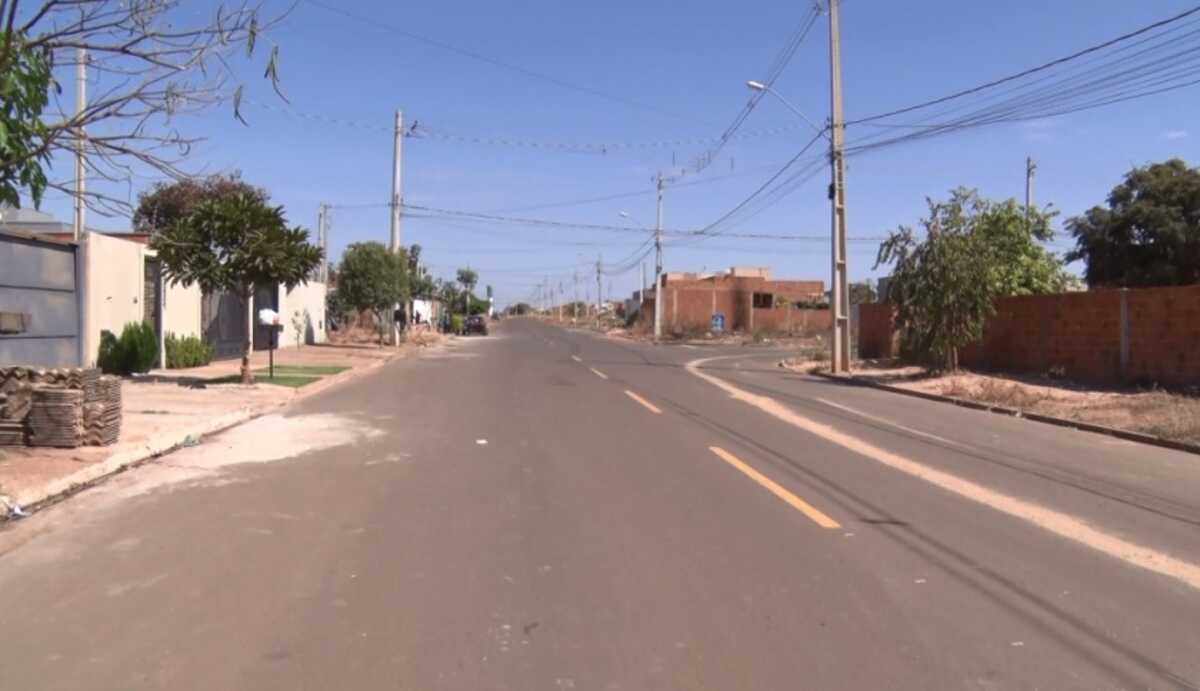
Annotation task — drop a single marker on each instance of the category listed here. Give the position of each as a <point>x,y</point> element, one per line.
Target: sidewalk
<point>165,408</point>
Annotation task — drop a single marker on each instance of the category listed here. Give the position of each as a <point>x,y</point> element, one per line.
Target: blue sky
<point>686,65</point>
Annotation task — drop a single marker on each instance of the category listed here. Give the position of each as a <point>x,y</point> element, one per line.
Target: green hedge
<point>456,323</point>
<point>135,351</point>
<point>188,351</point>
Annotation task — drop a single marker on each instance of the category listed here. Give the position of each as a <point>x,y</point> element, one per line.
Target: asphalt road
<point>550,509</point>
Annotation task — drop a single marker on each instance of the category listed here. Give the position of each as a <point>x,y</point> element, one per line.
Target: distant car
<point>476,324</point>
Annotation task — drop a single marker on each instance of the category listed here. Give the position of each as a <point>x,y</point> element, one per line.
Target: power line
<point>496,62</point>
<point>432,212</point>
<point>1030,71</point>
<point>773,72</point>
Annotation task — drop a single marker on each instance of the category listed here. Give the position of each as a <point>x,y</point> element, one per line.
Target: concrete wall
<point>181,310</point>
<point>305,302</point>
<point>114,286</point>
<point>1139,335</point>
<point>40,279</point>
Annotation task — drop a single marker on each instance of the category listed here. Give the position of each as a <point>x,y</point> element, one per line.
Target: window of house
<point>764,300</point>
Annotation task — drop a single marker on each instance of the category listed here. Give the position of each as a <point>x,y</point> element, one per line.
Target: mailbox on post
<point>270,319</point>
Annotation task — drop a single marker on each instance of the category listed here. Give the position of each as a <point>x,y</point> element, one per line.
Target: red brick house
<point>748,298</point>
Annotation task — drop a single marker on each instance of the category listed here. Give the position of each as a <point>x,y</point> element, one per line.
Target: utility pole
<point>560,295</point>
<point>658,260</point>
<point>839,291</point>
<point>1030,168</point>
<point>397,158</point>
<point>642,290</point>
<point>323,239</point>
<point>81,58</point>
<point>575,302</point>
<point>599,291</point>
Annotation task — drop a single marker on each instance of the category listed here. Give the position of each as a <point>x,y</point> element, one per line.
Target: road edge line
<point>1127,435</point>
<point>1064,525</point>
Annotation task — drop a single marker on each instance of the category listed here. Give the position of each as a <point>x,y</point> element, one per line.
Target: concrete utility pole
<point>839,291</point>
<point>575,302</point>
<point>642,289</point>
<point>560,295</point>
<point>323,239</point>
<point>396,203</point>
<point>599,287</point>
<point>1030,168</point>
<point>397,158</point>
<point>81,58</point>
<point>658,260</point>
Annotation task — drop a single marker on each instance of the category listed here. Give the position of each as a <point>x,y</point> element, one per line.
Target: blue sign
<point>718,322</point>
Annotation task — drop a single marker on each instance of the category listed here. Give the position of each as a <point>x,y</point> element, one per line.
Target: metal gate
<point>152,295</point>
<point>223,317</point>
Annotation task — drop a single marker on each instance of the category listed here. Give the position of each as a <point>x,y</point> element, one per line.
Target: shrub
<point>188,351</point>
<point>456,323</point>
<point>135,351</point>
<point>110,358</point>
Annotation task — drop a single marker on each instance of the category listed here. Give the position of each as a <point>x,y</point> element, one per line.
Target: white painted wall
<point>306,298</point>
<point>113,278</point>
<point>181,310</point>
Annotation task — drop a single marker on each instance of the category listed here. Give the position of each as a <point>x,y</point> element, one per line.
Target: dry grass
<point>998,392</point>
<point>1168,416</point>
<point>1158,413</point>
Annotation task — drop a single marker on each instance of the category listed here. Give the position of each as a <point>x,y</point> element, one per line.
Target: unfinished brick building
<point>748,298</point>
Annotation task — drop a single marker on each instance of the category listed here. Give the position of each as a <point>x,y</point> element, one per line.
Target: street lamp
<point>759,86</point>
<point>838,290</point>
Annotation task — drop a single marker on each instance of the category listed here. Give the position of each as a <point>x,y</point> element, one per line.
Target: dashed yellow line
<point>645,404</point>
<point>598,373</point>
<point>776,489</point>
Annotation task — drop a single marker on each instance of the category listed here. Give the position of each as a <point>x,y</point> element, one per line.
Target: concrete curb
<point>1014,412</point>
<point>62,488</point>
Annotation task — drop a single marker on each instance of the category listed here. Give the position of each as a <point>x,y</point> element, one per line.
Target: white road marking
<point>576,358</point>
<point>1061,524</point>
<point>889,423</point>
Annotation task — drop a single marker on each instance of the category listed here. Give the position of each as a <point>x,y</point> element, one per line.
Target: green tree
<point>420,283</point>
<point>169,202</point>
<point>373,278</point>
<point>24,95</point>
<point>234,244</point>
<point>467,278</point>
<point>1150,233</point>
<point>973,251</point>
<point>862,292</point>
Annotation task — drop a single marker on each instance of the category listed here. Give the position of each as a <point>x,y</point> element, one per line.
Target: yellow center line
<point>598,373</point>
<point>776,489</point>
<point>647,404</point>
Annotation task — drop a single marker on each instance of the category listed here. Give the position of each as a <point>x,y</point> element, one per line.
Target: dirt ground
<point>1159,413</point>
<point>170,402</point>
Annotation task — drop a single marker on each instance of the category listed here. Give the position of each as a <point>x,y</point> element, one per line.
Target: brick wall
<point>1164,335</point>
<point>1141,335</point>
<point>689,305</point>
<point>877,336</point>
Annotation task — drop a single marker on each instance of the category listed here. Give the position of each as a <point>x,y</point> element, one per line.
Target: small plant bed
<point>304,370</point>
<point>294,376</point>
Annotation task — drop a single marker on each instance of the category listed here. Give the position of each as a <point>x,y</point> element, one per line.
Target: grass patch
<point>304,370</point>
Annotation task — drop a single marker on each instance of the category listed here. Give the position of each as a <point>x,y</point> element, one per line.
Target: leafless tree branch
<point>149,61</point>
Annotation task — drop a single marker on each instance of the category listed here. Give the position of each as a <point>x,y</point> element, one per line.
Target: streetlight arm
<point>758,86</point>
